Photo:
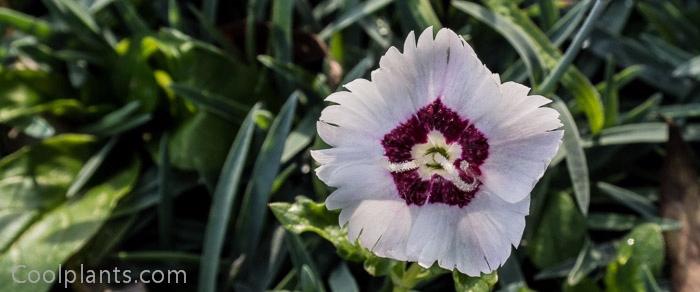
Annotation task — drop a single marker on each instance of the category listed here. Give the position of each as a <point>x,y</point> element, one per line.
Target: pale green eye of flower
<point>434,159</point>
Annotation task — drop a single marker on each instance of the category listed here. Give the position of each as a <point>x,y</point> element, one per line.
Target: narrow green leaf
<point>630,52</point>
<point>131,18</point>
<point>587,98</point>
<point>623,222</point>
<point>688,110</point>
<point>222,106</point>
<point>112,233</point>
<point>301,136</point>
<point>558,34</point>
<point>251,221</point>
<point>645,111</point>
<point>611,221</point>
<point>590,258</point>
<point>11,111</point>
<point>359,70</point>
<point>98,5</point>
<point>297,75</point>
<point>595,257</point>
<point>573,49</point>
<point>326,7</point>
<point>669,22</point>
<point>271,258</point>
<point>114,119</point>
<point>664,50</point>
<point>420,14</point>
<point>90,168</point>
<point>352,16</point>
<point>76,10</point>
<point>174,16</point>
<point>282,177</point>
<point>281,37</point>
<point>310,279</point>
<point>631,133</point>
<point>548,13</point>
<point>575,158</point>
<point>341,280</point>
<point>566,26</point>
<point>610,95</point>
<point>306,15</point>
<point>691,68</point>
<point>212,32</point>
<point>650,283</point>
<point>310,282</point>
<point>254,11</point>
<point>224,197</point>
<point>623,77</point>
<point>616,16</point>
<point>510,276</point>
<point>25,23</point>
<point>187,152</point>
<point>378,30</point>
<point>209,8</point>
<point>165,206</point>
<point>634,201</point>
<point>146,193</point>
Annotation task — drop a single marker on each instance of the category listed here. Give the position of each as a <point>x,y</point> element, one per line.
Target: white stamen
<point>450,170</point>
<point>403,166</point>
<point>453,175</point>
<point>464,166</point>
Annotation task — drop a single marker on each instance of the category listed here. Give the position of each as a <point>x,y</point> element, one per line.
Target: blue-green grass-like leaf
<point>251,220</point>
<point>575,158</point>
<point>224,197</point>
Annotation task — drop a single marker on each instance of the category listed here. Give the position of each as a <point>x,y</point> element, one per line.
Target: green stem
<point>548,85</point>
<point>408,280</point>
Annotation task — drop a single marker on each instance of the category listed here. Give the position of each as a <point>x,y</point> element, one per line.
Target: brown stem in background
<point>680,200</point>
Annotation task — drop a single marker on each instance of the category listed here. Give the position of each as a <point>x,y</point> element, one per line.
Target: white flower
<point>434,159</point>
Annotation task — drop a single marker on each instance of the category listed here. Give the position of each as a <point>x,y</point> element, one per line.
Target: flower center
<point>434,157</point>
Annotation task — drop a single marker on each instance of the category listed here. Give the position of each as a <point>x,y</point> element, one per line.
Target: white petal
<point>339,136</point>
<point>467,250</point>
<point>469,87</point>
<point>372,188</point>
<point>512,169</point>
<point>431,64</point>
<point>352,173</point>
<point>360,122</point>
<point>346,154</point>
<point>371,218</point>
<point>519,115</point>
<point>392,242</point>
<point>489,226</point>
<point>490,234</point>
<point>514,89</point>
<point>433,232</point>
<point>365,97</point>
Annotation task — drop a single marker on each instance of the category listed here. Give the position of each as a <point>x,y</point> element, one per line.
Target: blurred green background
<point>141,134</point>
